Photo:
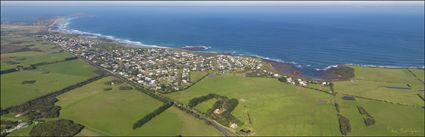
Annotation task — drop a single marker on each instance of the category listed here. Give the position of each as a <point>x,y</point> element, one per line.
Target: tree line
<point>34,66</point>
<point>44,106</point>
<point>368,119</point>
<point>197,100</point>
<point>151,115</point>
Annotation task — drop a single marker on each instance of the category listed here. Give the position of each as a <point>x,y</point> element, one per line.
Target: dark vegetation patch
<point>368,119</point>
<point>348,98</point>
<point>151,115</point>
<point>340,72</point>
<point>125,87</point>
<point>42,108</point>
<point>404,88</point>
<point>286,68</point>
<point>56,128</point>
<point>257,73</point>
<point>107,89</point>
<point>6,124</point>
<point>28,82</point>
<point>197,100</point>
<point>337,107</point>
<point>344,124</point>
<point>421,96</point>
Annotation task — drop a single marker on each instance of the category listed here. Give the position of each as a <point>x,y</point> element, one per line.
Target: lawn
<point>114,112</point>
<point>275,108</point>
<point>390,119</point>
<point>48,78</point>
<point>383,84</point>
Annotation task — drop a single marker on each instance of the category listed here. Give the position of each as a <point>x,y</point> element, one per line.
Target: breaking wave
<point>64,27</point>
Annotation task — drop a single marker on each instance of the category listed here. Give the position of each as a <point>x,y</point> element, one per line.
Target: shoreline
<point>64,21</point>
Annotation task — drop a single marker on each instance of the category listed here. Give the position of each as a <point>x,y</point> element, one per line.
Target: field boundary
<point>414,75</point>
<point>380,100</point>
<point>34,66</point>
<point>56,93</point>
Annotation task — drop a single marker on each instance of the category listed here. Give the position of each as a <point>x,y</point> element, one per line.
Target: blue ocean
<point>311,37</point>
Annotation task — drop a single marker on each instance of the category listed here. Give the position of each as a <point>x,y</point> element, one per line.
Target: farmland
<point>392,85</point>
<point>274,108</point>
<point>391,119</point>
<point>113,112</point>
<point>47,78</point>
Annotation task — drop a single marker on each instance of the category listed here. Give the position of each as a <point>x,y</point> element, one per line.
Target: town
<point>158,69</point>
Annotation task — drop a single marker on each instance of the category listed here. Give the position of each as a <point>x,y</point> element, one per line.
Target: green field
<point>48,78</point>
<point>114,112</point>
<point>378,83</point>
<point>25,50</point>
<point>205,106</point>
<point>275,108</point>
<point>197,75</point>
<point>390,119</point>
<point>27,58</point>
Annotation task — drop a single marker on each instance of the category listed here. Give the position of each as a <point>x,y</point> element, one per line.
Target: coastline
<point>61,24</point>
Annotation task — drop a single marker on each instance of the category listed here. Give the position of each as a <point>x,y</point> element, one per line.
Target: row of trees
<point>368,119</point>
<point>151,115</point>
<point>56,128</point>
<point>34,66</point>
<point>44,106</point>
<point>197,100</point>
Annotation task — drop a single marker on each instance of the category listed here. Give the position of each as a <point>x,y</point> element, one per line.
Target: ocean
<point>311,37</point>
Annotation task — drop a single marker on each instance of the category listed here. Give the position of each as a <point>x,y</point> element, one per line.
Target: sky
<point>220,3</point>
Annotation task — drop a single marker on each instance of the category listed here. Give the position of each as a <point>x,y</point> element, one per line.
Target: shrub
<point>125,87</point>
<point>59,127</point>
<point>344,124</point>
<point>367,118</point>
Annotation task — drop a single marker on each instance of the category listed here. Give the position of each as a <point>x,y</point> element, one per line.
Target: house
<point>233,125</point>
<point>219,111</point>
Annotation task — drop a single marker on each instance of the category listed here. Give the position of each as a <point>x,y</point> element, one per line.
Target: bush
<point>60,127</point>
<point>368,119</point>
<point>282,79</point>
<point>125,87</point>
<point>344,124</point>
